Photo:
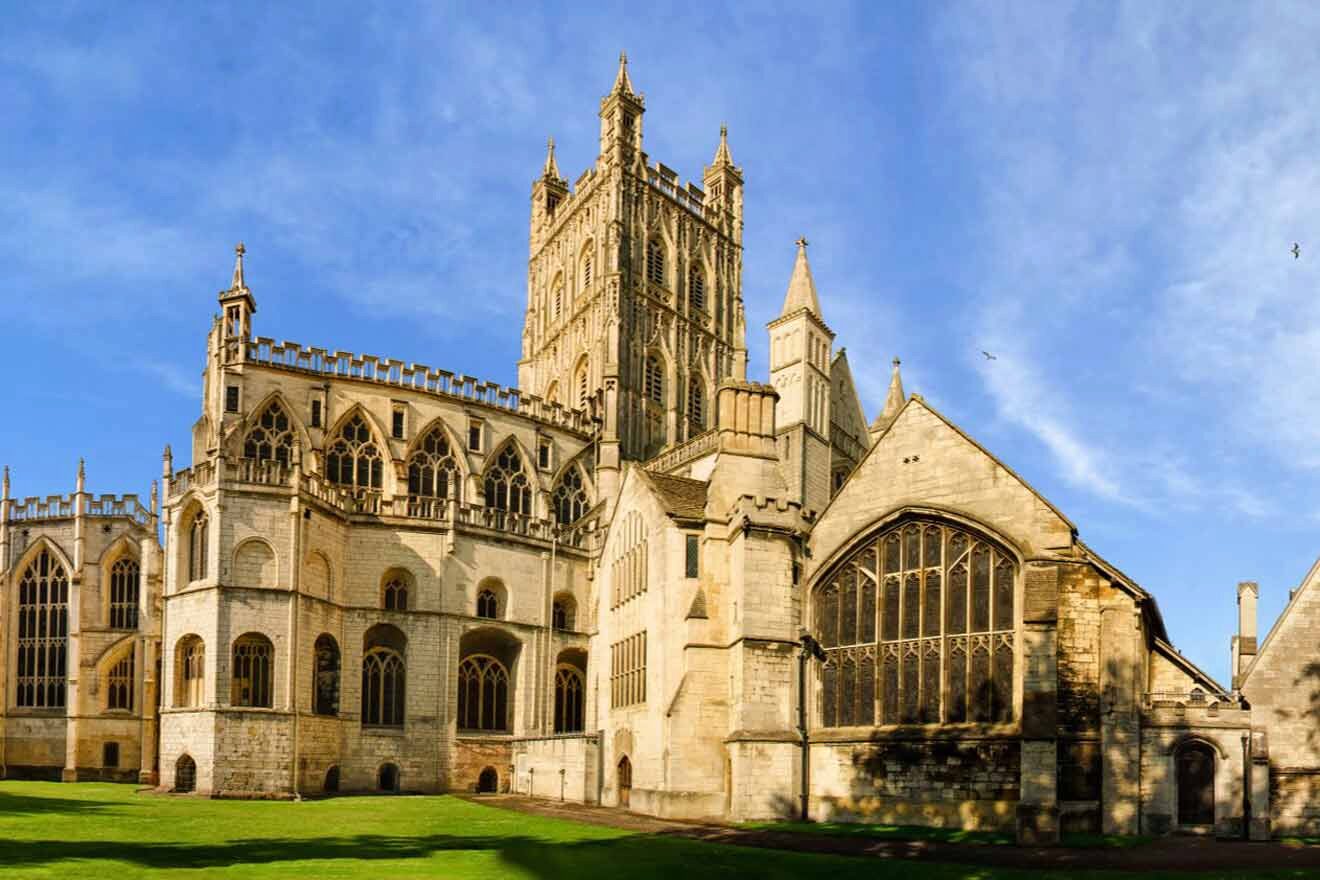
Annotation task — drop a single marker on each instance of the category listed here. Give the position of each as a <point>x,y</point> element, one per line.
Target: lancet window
<point>432,468</point>
<point>354,459</point>
<point>919,627</point>
<point>569,691</point>
<point>655,262</point>
<point>43,633</point>
<point>119,684</point>
<point>325,685</point>
<point>570,497</point>
<point>506,484</point>
<point>696,288</point>
<point>271,438</point>
<point>654,380</point>
<point>198,548</point>
<point>124,578</point>
<point>696,404</point>
<point>252,678</point>
<point>384,685</point>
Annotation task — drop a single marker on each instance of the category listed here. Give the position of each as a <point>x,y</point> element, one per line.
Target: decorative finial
<point>724,131</point>
<point>237,282</point>
<point>896,362</point>
<point>722,155</point>
<point>6,483</point>
<point>801,242</point>
<point>621,81</point>
<point>167,462</point>
<point>551,169</point>
<point>155,498</point>
<point>82,474</point>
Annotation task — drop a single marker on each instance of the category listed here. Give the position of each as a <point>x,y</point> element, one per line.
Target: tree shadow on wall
<point>1312,711</point>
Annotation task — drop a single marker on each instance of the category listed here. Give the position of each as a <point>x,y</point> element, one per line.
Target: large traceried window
<point>570,497</point>
<point>119,683</point>
<point>432,469</point>
<point>506,485</point>
<point>43,633</point>
<point>653,380</point>
<point>655,261</point>
<point>190,671</point>
<point>124,578</point>
<point>384,684</point>
<point>251,677</point>
<point>483,694</point>
<point>918,626</point>
<point>198,546</point>
<point>569,691</point>
<point>271,438</point>
<point>354,459</point>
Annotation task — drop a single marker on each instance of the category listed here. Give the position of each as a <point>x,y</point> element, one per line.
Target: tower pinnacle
<point>894,401</point>
<point>621,82</point>
<point>551,169</point>
<point>237,283</point>
<point>801,287</point>
<point>722,154</point>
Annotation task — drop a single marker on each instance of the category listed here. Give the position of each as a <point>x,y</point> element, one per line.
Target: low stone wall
<point>474,754</point>
<point>677,804</point>
<point>558,767</point>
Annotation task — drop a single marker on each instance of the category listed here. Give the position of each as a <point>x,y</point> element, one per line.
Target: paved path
<point>1165,854</point>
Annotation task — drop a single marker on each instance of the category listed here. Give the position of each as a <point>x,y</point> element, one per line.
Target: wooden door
<point>625,781</point>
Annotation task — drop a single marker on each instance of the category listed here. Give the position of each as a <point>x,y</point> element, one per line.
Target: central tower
<point>634,289</point>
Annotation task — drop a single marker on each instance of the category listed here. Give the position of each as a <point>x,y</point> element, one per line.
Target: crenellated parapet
<point>50,507</point>
<point>762,511</point>
<point>293,356</point>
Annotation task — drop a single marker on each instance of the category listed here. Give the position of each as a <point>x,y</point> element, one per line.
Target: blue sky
<point>1103,195</point>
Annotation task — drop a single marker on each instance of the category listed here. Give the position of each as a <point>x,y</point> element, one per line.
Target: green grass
<point>908,833</point>
<point>107,832</point>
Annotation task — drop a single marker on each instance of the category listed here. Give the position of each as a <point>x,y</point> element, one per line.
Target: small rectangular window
<point>398,424</point>
<point>474,435</point>
<point>543,455</point>
<point>231,399</point>
<point>693,556</point>
<point>316,413</point>
<point>110,756</point>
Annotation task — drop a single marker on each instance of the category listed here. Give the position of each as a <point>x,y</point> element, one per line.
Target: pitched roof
<point>680,496</point>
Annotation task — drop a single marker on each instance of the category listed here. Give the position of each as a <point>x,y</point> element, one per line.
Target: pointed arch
<point>256,563</point>
<point>42,580</point>
<point>696,402</point>
<point>121,583</point>
<point>33,549</point>
<point>435,453</point>
<point>552,393</point>
<point>116,672</point>
<point>570,499</point>
<point>580,391</point>
<point>295,431</point>
<point>508,478</point>
<point>356,451</point>
<point>586,268</point>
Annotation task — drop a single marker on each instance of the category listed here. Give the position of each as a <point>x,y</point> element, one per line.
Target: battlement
<point>766,510</point>
<point>36,508</point>
<point>293,356</point>
<point>665,179</point>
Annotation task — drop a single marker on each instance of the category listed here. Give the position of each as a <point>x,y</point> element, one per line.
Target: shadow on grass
<point>20,805</point>
<point>897,833</point>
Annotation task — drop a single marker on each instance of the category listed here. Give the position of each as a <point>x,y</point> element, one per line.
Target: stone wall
<point>557,767</point>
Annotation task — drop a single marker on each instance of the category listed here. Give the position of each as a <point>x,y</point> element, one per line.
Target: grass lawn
<point>107,832</point>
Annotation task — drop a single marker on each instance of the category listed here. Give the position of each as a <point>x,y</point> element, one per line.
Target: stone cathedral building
<point>376,574</point>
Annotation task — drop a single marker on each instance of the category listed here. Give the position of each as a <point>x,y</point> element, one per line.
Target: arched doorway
<point>1195,773</point>
<point>185,774</point>
<point>332,780</point>
<point>488,782</point>
<point>625,781</point>
<point>388,778</point>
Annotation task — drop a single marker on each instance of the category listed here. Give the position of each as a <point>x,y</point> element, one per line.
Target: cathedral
<point>640,579</point>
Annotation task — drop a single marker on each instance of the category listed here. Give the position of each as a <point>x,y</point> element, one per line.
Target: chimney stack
<point>1244,643</point>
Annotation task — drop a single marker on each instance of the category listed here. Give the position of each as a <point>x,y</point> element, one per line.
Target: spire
<point>894,401</point>
<point>801,287</point>
<point>82,475</point>
<point>238,283</point>
<point>551,169</point>
<point>622,85</point>
<point>722,154</point>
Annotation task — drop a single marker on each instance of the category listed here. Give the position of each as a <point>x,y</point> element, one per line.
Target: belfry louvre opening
<point>919,628</point>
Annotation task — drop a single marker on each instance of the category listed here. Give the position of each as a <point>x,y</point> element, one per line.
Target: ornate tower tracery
<point>634,289</point>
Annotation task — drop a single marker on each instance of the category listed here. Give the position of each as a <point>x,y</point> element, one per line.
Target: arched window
<point>432,468</point>
<point>395,593</point>
<point>325,694</point>
<point>271,438</point>
<point>119,683</point>
<point>507,487</point>
<point>696,403</point>
<point>919,627</point>
<point>696,288</point>
<point>586,270</point>
<point>124,575</point>
<point>557,298</point>
<point>580,384</point>
<point>43,633</point>
<point>483,694</point>
<point>185,774</point>
<point>570,497</point>
<point>569,690</point>
<point>488,605</point>
<point>251,676</point>
<point>190,671</point>
<point>384,685</point>
<point>655,262</point>
<point>653,380</point>
<point>562,613</point>
<point>198,546</point>
<point>488,782</point>
<point>354,459</point>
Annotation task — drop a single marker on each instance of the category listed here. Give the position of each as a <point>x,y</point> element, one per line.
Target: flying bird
<point>1297,250</point>
<point>989,356</point>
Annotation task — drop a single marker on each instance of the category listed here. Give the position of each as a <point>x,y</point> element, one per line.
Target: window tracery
<point>271,438</point>
<point>696,404</point>
<point>325,694</point>
<point>919,627</point>
<point>394,595</point>
<point>483,694</point>
<point>654,380</point>
<point>383,687</point>
<point>124,579</point>
<point>119,683</point>
<point>655,262</point>
<point>198,546</point>
<point>189,659</point>
<point>569,691</point>
<point>570,499</point>
<point>506,485</point>
<point>354,459</point>
<point>43,633</point>
<point>696,288</point>
<point>250,680</point>
<point>433,468</point>
<point>488,605</point>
